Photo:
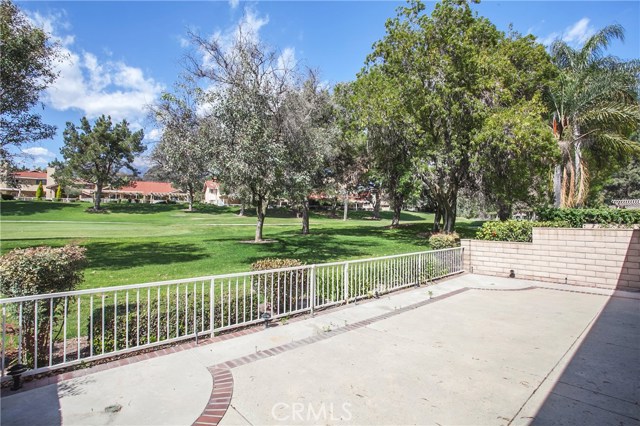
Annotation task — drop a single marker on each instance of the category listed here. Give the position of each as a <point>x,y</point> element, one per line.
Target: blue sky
<point>121,55</point>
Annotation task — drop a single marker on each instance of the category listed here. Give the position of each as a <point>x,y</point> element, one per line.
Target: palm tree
<point>595,103</point>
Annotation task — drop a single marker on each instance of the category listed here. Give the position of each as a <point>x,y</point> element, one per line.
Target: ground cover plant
<point>137,243</point>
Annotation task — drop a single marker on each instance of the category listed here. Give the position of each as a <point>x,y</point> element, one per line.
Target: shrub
<point>443,241</point>
<point>603,216</point>
<point>59,192</point>
<point>7,197</point>
<point>289,287</point>
<point>39,191</point>
<point>163,330</point>
<point>40,270</point>
<point>514,230</point>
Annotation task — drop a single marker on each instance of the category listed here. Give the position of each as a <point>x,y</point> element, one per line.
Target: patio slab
<point>516,355</point>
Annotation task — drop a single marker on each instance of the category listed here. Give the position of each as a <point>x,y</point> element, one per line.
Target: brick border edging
<point>222,390</point>
<point>220,398</point>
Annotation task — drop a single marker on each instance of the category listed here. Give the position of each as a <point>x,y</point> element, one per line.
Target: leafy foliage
<point>40,270</point>
<point>463,95</point>
<point>39,191</point>
<point>288,286</point>
<point>595,110</point>
<point>604,216</point>
<point>441,241</point>
<point>98,154</point>
<point>246,114</point>
<point>143,330</point>
<point>183,155</point>
<point>26,69</point>
<point>514,230</point>
<point>624,184</point>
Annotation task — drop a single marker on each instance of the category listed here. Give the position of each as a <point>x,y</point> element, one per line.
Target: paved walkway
<point>547,354</point>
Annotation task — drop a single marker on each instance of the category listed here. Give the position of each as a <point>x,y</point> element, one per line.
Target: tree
<point>446,76</point>
<point>183,154</point>
<point>514,156</point>
<point>59,192</point>
<point>378,109</point>
<point>434,63</point>
<point>623,184</point>
<point>39,191</point>
<point>595,108</point>
<point>26,69</point>
<point>311,133</point>
<point>246,122</point>
<point>98,154</point>
<point>514,150</point>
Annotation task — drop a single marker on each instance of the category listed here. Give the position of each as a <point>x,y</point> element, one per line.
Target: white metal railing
<point>49,331</point>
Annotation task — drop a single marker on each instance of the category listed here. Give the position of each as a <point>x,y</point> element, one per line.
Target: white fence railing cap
<point>102,290</point>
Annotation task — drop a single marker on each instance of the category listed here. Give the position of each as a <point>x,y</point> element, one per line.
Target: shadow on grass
<point>26,208</point>
<point>115,256</point>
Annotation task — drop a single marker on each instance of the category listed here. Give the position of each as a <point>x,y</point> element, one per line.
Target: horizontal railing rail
<point>49,331</point>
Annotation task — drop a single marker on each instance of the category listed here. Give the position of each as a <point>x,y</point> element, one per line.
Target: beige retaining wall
<point>608,258</point>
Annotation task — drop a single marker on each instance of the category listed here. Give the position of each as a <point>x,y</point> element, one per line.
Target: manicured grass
<point>136,243</point>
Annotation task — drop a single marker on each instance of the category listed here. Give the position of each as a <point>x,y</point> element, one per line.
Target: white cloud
<point>38,155</point>
<point>95,86</point>
<point>578,32</point>
<point>574,34</point>
<point>50,23</point>
<point>234,3</point>
<point>153,135</point>
<point>142,163</point>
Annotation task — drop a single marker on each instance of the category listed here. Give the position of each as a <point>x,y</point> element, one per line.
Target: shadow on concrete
<point>601,383</point>
<point>37,407</point>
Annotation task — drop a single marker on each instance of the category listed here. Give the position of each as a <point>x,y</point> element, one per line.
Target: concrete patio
<point>477,350</point>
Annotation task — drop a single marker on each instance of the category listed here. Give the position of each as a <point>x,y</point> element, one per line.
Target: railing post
<point>211,303</point>
<point>346,282</point>
<point>419,280</point>
<point>313,289</point>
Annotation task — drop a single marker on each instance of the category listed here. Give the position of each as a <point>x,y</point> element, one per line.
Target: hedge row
<point>514,230</point>
<point>578,217</point>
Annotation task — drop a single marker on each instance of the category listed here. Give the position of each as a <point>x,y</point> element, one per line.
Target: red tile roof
<point>31,175</point>
<point>147,187</point>
<point>211,184</point>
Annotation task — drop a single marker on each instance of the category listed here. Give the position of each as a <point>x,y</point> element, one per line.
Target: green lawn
<point>136,243</point>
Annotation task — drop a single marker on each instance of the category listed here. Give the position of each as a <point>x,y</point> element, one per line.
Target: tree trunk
<point>578,176</point>
<point>557,186</point>
<point>261,211</point>
<point>241,213</point>
<point>376,205</point>
<point>305,217</point>
<point>345,213</point>
<point>504,211</point>
<point>396,200</point>
<point>436,219</point>
<point>97,197</point>
<point>450,213</point>
<point>190,197</point>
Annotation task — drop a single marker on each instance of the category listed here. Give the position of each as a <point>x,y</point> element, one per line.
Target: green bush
<point>59,192</point>
<point>39,191</point>
<point>163,330</point>
<point>603,216</point>
<point>514,230</point>
<point>289,287</point>
<point>39,270</point>
<point>443,241</point>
